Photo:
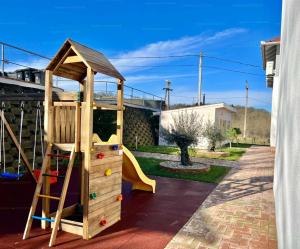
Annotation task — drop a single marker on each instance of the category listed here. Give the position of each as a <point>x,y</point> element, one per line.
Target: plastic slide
<point>131,170</point>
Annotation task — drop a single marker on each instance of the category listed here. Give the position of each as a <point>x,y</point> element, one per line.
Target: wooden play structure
<point>68,128</point>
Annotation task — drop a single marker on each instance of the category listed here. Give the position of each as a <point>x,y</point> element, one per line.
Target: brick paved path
<point>239,213</point>
<point>209,161</point>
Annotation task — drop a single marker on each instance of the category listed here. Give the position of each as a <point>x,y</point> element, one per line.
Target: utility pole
<point>167,94</point>
<point>2,59</point>
<point>246,107</point>
<point>200,78</point>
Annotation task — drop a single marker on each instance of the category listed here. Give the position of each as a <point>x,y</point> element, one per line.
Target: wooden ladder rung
<point>49,196</point>
<point>58,176</point>
<point>59,155</point>
<point>42,218</point>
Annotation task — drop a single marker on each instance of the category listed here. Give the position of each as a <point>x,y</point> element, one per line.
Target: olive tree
<point>213,134</point>
<point>184,131</point>
<point>232,134</point>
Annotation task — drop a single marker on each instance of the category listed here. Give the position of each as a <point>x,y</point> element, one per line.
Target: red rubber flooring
<point>148,221</point>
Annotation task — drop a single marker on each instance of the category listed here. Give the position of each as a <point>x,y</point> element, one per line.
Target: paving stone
<point>240,212</point>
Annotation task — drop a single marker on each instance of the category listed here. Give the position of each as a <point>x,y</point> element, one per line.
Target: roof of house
<point>85,57</point>
<point>202,107</point>
<point>268,50</point>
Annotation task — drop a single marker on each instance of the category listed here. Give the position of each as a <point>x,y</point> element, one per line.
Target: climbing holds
<point>120,197</point>
<point>115,147</point>
<point>107,172</point>
<point>103,222</point>
<point>93,196</point>
<point>100,155</point>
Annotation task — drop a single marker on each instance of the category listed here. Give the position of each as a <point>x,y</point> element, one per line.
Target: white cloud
<point>184,45</point>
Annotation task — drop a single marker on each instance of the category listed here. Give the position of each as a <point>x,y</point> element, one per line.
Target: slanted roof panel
<point>96,60</point>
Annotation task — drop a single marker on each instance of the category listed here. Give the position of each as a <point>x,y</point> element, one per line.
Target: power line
<point>192,65</point>
<point>185,55</point>
<point>231,61</point>
<point>232,70</point>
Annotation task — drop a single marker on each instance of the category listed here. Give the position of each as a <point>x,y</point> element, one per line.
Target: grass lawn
<point>150,166</point>
<point>235,152</point>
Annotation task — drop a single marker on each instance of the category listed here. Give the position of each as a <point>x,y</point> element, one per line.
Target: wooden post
<point>120,112</point>
<point>87,135</point>
<point>48,132</point>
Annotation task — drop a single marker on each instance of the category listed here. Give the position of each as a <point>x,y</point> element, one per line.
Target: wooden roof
<point>87,57</point>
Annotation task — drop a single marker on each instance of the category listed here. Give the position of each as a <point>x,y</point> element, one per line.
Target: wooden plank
<point>65,96</point>
<point>68,124</point>
<point>112,188</point>
<point>62,198</point>
<point>65,146</point>
<point>104,211</point>
<point>99,170</point>
<point>57,114</point>
<point>48,138</point>
<point>16,142</point>
<point>103,200</point>
<point>102,182</point>
<point>107,154</point>
<point>63,125</point>
<point>98,229</point>
<point>106,160</point>
<point>120,99</point>
<point>62,60</point>
<point>36,192</point>
<point>77,127</point>
<point>49,196</point>
<point>72,59</point>
<point>112,215</point>
<point>87,123</point>
<point>70,226</point>
<point>68,211</point>
<point>104,106</point>
<point>64,104</point>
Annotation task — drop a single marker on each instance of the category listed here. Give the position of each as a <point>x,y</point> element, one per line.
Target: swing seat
<point>10,175</point>
<point>53,180</point>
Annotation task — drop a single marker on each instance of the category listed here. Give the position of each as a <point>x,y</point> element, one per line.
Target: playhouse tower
<point>68,124</point>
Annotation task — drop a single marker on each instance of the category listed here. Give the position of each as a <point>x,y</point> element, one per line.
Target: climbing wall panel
<point>105,187</point>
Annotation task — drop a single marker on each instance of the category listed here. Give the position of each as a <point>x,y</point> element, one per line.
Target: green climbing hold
<point>93,196</point>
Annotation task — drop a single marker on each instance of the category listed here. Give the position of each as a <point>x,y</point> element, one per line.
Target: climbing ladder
<point>61,198</point>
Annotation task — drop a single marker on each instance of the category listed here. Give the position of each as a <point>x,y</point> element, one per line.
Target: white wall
<point>206,113</point>
<point>274,113</point>
<point>287,161</point>
<point>275,97</point>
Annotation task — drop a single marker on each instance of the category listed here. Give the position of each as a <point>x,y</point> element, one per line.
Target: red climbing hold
<point>103,222</point>
<point>100,155</point>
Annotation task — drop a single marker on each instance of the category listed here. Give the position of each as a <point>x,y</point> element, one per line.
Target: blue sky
<point>230,29</point>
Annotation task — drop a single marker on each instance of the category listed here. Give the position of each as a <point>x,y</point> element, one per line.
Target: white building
<point>271,61</point>
<point>287,171</point>
<point>219,114</point>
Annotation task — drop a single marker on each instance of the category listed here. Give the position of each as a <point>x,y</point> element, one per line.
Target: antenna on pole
<point>246,107</point>
<point>167,94</point>
<point>200,78</point>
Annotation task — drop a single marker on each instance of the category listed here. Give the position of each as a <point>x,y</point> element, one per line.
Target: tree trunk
<point>185,158</point>
<point>230,144</point>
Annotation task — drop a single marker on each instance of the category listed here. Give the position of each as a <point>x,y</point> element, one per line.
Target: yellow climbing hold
<point>108,172</point>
